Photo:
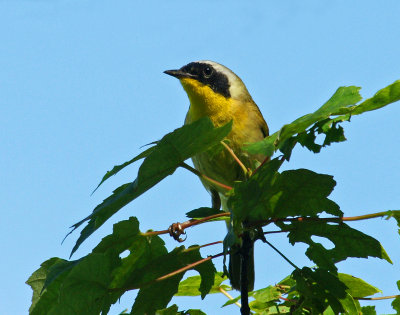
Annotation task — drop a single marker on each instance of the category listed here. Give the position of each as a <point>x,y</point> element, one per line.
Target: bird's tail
<point>235,257</point>
<point>235,268</point>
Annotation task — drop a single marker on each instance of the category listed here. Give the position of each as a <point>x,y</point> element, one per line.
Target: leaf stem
<point>205,177</point>
<point>280,253</point>
<point>245,170</point>
<point>228,296</point>
<point>263,162</point>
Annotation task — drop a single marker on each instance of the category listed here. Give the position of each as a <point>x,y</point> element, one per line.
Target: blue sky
<point>82,88</point>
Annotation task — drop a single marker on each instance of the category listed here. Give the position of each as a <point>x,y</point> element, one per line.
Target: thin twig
<point>190,266</point>
<point>228,296</point>
<point>196,172</point>
<point>169,275</point>
<point>335,219</point>
<point>377,298</point>
<point>365,217</point>
<point>210,244</point>
<point>245,171</point>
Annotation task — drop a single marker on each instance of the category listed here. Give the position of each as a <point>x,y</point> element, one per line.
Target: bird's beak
<point>178,73</point>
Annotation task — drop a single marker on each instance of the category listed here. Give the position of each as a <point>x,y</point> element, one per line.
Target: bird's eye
<point>207,71</point>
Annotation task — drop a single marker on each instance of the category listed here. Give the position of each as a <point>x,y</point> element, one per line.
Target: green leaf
<point>343,97</point>
<point>330,127</point>
<point>267,294</point>
<point>396,305</point>
<point>350,306</point>
<point>133,270</point>
<point>303,193</point>
<point>264,298</point>
<point>318,289</point>
<point>396,215</point>
<point>156,294</point>
<point>269,194</point>
<point>247,199</point>
<point>60,268</point>
<point>396,301</point>
<point>193,312</point>
<point>207,272</point>
<point>117,168</point>
<point>83,289</point>
<point>383,97</point>
<point>191,285</point>
<point>357,287</point>
<point>368,310</point>
<point>36,281</point>
<point>203,212</point>
<point>230,302</point>
<point>348,242</point>
<point>341,104</point>
<point>335,133</point>
<point>168,154</point>
<point>172,310</point>
<point>125,233</point>
<point>276,309</point>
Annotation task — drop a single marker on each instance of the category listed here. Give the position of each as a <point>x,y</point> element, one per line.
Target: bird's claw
<point>176,230</point>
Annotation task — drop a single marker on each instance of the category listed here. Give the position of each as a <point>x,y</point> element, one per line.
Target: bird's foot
<point>176,230</point>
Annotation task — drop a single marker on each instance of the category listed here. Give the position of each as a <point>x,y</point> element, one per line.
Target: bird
<point>216,92</point>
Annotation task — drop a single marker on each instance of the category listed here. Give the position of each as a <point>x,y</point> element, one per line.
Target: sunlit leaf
<point>343,97</point>
<point>340,107</point>
<point>191,285</point>
<point>357,287</point>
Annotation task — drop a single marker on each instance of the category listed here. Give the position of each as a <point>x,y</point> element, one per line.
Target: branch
<point>189,223</point>
<point>334,219</point>
<point>194,222</point>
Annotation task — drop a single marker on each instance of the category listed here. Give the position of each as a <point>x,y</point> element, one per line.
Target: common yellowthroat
<point>216,92</point>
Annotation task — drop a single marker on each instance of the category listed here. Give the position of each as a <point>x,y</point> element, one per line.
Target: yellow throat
<point>205,102</point>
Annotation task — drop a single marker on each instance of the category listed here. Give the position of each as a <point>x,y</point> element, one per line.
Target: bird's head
<point>206,79</point>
